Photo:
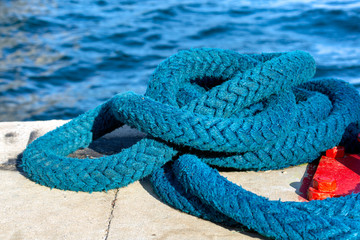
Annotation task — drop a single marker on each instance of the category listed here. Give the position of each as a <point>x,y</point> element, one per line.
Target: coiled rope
<point>249,112</point>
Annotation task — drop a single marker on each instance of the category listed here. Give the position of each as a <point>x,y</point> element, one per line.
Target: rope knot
<point>244,111</point>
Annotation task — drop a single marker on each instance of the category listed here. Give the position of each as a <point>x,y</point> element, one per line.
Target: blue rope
<point>244,111</point>
<point>281,220</point>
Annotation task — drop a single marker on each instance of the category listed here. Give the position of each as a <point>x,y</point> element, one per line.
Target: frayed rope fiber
<point>217,107</point>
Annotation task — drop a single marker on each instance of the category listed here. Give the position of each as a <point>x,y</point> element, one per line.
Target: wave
<point>60,58</point>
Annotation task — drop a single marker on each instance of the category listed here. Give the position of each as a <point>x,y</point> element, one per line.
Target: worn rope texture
<point>227,109</point>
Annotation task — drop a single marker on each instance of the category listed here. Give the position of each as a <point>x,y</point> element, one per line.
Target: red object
<point>314,194</point>
<point>336,152</point>
<point>307,181</point>
<point>324,184</point>
<point>335,176</point>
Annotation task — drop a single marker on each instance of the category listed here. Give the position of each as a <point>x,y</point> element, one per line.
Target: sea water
<point>60,58</point>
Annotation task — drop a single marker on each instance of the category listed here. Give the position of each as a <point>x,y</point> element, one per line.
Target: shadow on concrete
<point>10,165</point>
<point>146,184</point>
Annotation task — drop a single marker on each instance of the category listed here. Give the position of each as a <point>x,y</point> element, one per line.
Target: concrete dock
<point>31,211</point>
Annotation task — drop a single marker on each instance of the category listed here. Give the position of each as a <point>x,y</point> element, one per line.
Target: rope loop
<point>222,108</point>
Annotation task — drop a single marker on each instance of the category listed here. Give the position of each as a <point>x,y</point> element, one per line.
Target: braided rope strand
<point>257,212</point>
<point>245,111</point>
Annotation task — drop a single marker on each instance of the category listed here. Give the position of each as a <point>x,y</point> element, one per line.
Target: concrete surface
<point>31,211</point>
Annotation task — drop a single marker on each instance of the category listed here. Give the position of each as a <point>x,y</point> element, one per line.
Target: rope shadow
<point>145,183</point>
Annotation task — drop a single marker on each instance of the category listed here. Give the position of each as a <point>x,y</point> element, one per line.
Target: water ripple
<point>61,58</point>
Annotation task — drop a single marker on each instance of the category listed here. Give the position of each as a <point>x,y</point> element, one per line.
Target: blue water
<point>61,58</point>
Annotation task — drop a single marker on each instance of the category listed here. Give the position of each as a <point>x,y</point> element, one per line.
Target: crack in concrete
<point>113,204</point>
